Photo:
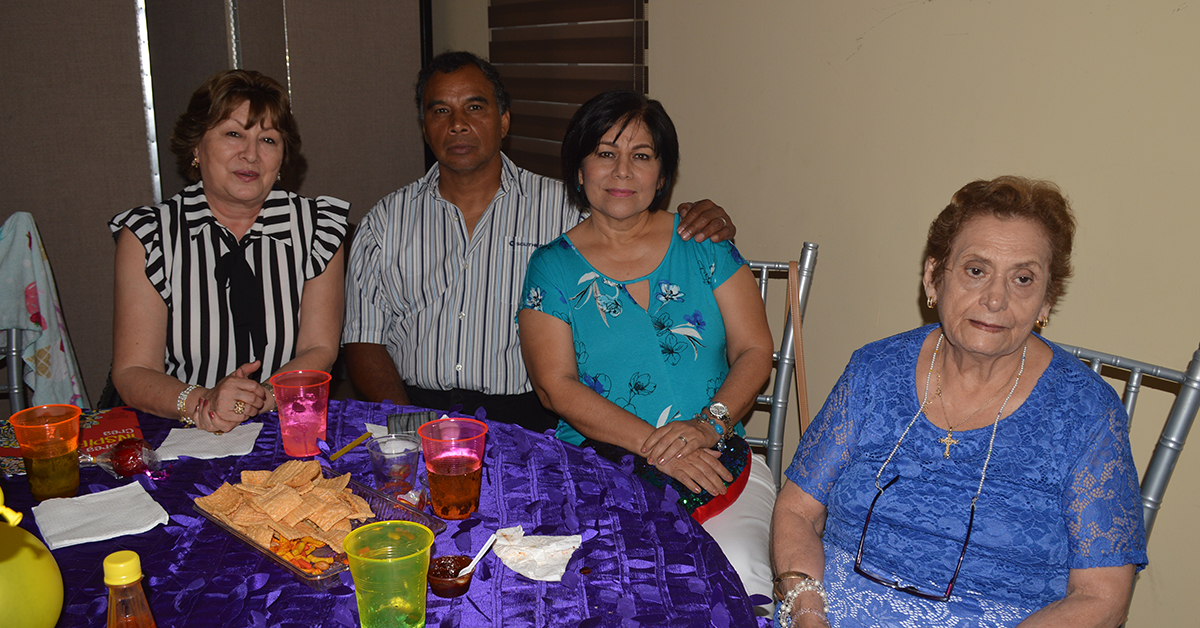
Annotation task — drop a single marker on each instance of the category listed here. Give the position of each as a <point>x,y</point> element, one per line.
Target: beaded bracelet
<point>181,405</point>
<point>806,585</point>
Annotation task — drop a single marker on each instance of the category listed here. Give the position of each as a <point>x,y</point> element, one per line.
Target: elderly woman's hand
<point>699,470</point>
<point>234,399</point>
<point>677,439</point>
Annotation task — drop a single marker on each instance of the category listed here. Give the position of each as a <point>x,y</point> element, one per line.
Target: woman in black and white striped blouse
<point>232,280</point>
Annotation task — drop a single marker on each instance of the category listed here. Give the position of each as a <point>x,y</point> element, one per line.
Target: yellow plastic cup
<point>49,440</point>
<point>389,561</point>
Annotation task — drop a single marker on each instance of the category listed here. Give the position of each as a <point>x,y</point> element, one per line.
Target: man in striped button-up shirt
<point>436,268</point>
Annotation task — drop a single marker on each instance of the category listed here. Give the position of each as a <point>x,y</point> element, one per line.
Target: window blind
<point>555,54</point>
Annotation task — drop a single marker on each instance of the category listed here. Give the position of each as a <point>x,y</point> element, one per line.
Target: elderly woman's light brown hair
<point>1009,197</point>
<point>215,100</point>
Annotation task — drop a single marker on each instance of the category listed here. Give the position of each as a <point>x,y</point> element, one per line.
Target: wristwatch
<point>720,413</point>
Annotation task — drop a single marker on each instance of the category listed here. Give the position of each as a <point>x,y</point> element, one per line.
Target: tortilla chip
<point>326,517</point>
<point>247,515</point>
<point>255,478</point>
<point>308,505</point>
<point>284,531</point>
<point>222,501</point>
<point>337,483</point>
<point>359,508</point>
<point>280,504</point>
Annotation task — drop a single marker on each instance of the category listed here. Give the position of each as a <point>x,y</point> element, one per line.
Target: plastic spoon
<point>471,567</point>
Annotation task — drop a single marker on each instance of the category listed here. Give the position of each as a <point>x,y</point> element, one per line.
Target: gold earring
<point>930,302</point>
<point>195,162</point>
<point>1043,321</point>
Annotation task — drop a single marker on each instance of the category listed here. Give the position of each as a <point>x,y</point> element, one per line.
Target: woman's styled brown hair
<point>1008,197</point>
<point>215,101</point>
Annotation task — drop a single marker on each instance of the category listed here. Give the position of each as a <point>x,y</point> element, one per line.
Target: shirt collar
<point>273,220</point>
<point>510,183</point>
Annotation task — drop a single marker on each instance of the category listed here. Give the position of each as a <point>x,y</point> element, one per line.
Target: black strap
<point>245,298</point>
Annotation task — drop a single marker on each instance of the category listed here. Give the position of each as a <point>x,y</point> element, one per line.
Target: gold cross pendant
<point>948,440</point>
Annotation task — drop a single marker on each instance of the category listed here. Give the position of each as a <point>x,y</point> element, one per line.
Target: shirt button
<point>467,265</point>
<point>458,367</point>
<point>462,316</point>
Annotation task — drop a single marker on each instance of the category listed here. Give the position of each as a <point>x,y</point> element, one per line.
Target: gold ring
<point>724,223</point>
<point>239,407</point>
<point>683,439</point>
<point>218,432</point>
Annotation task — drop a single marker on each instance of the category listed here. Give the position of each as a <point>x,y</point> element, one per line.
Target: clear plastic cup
<point>454,462</point>
<point>302,399</point>
<point>49,440</point>
<point>394,458</point>
<point>389,561</point>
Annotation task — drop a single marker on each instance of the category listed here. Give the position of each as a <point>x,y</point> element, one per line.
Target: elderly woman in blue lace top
<point>967,473</point>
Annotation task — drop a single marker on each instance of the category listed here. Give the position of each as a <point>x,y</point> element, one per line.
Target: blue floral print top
<point>662,363</point>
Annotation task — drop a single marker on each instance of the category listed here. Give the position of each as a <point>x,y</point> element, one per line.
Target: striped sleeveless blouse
<point>292,241</point>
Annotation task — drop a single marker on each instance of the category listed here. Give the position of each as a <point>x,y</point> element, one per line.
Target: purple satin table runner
<point>643,562</point>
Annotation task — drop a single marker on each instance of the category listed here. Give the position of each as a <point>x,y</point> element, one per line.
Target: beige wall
<point>851,124</point>
<point>460,25</point>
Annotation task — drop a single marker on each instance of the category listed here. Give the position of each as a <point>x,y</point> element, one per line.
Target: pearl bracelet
<point>806,585</point>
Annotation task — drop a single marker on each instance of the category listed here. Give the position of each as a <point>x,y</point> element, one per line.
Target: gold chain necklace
<point>949,439</point>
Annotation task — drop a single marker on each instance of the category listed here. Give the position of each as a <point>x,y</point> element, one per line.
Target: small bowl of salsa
<point>443,575</point>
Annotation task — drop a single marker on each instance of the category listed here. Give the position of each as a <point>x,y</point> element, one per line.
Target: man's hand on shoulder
<point>705,219</point>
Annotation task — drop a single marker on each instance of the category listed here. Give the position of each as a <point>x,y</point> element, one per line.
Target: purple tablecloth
<point>643,562</point>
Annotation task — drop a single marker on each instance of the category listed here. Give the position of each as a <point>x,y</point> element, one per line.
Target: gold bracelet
<point>181,405</point>
<point>778,580</point>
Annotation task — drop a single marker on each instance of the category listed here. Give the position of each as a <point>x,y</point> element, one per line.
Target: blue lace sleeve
<point>1101,503</point>
<point>826,446</point>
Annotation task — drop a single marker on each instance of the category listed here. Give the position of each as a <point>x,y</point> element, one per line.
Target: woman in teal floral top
<point>634,336</point>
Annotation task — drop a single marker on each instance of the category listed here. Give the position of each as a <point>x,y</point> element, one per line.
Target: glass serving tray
<point>385,509</point>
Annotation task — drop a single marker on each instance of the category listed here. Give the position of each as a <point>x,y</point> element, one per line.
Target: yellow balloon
<point>31,586</point>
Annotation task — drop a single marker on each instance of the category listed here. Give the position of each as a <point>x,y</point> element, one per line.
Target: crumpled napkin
<point>196,443</point>
<point>376,430</point>
<point>98,516</point>
<point>535,557</point>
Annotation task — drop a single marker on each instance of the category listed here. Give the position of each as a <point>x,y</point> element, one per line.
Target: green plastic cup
<point>389,561</point>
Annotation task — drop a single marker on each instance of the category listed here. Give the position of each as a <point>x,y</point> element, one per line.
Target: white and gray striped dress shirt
<point>292,241</point>
<point>444,304</point>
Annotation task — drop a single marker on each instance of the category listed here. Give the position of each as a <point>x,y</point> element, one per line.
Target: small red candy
<point>127,457</point>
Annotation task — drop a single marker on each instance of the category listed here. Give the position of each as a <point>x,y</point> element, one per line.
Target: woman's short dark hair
<point>618,109</point>
<point>213,103</point>
<point>1008,197</point>
<point>448,62</point>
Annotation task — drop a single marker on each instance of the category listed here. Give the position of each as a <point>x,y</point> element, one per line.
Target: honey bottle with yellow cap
<point>127,606</point>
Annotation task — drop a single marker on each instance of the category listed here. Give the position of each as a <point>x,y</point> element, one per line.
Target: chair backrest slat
<point>785,357</point>
<point>16,370</point>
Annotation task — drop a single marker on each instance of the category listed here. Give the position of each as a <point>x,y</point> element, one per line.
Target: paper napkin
<point>98,516</point>
<point>535,557</point>
<point>196,443</point>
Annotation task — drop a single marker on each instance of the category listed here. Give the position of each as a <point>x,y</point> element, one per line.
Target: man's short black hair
<point>448,62</point>
<point>618,109</point>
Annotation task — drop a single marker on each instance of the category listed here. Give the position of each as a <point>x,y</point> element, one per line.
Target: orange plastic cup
<point>49,440</point>
<point>454,463</point>
<point>302,398</point>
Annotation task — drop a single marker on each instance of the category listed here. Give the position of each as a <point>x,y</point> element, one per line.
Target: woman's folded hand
<point>677,439</point>
<point>699,470</point>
